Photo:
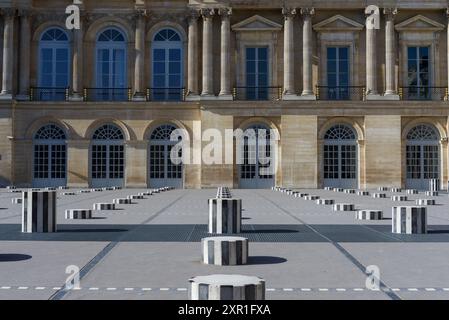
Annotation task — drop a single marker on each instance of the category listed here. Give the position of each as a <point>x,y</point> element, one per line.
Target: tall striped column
<point>38,211</point>
<point>225,215</point>
<point>409,220</point>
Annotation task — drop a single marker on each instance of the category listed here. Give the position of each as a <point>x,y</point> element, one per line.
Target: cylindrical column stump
<point>409,220</point>
<point>325,202</point>
<point>76,214</point>
<point>395,190</point>
<point>379,195</point>
<point>362,193</point>
<point>434,184</point>
<point>425,202</point>
<point>311,197</point>
<point>399,198</point>
<point>225,216</point>
<point>227,287</point>
<point>16,200</point>
<point>39,211</point>
<point>122,201</point>
<point>369,215</point>
<point>412,191</point>
<point>300,195</point>
<point>349,191</point>
<point>432,193</point>
<point>104,206</point>
<point>224,251</point>
<point>343,207</point>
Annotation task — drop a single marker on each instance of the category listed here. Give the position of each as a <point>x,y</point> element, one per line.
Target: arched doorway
<point>340,157</point>
<point>107,157</point>
<point>256,168</point>
<point>163,170</point>
<point>50,157</point>
<point>422,156</point>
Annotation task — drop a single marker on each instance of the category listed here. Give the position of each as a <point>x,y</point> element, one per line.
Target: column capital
<point>225,12</point>
<point>193,15</point>
<point>140,13</point>
<point>207,13</point>
<point>390,13</point>
<point>8,12</point>
<point>25,12</point>
<point>289,12</point>
<point>447,12</point>
<point>307,12</point>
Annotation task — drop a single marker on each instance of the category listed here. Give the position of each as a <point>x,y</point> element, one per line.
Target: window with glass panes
<point>418,72</point>
<point>257,73</point>
<point>338,73</point>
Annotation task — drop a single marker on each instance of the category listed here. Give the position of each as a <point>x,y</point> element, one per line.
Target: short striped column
<point>224,192</point>
<point>349,191</point>
<point>39,211</point>
<point>122,201</point>
<point>311,197</point>
<point>399,198</point>
<point>338,189</point>
<point>300,195</point>
<point>116,188</point>
<point>325,202</point>
<point>395,190</point>
<point>362,193</point>
<point>412,191</point>
<point>63,187</point>
<point>15,191</point>
<point>78,214</point>
<point>328,188</point>
<point>107,188</point>
<point>68,193</point>
<point>135,197</point>
<point>434,184</point>
<point>343,207</point>
<point>96,189</point>
<point>145,193</point>
<point>227,287</point>
<point>225,216</point>
<point>425,202</point>
<point>85,191</point>
<point>104,206</point>
<point>379,195</point>
<point>369,215</point>
<point>50,189</point>
<point>382,189</point>
<point>16,200</point>
<point>432,193</point>
<point>225,251</point>
<point>409,220</point>
<point>11,187</point>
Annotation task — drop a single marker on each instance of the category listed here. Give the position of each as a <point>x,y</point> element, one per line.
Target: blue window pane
<point>424,53</point>
<point>263,67</point>
<point>174,67</point>
<point>344,66</point>
<point>412,54</point>
<point>61,67</point>
<point>250,66</point>
<point>250,53</point>
<point>46,80</point>
<point>343,53</point>
<point>332,53</point>
<point>332,80</point>
<point>251,80</point>
<point>174,81</point>
<point>159,54</point>
<point>263,53</point>
<point>263,80</point>
<point>159,67</point>
<point>159,81</point>
<point>62,55</point>
<point>332,66</point>
<point>175,55</point>
<point>344,79</point>
<point>104,54</point>
<point>412,66</point>
<point>61,81</point>
<point>47,54</point>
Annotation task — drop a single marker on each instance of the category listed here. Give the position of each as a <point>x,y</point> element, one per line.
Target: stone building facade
<point>354,104</point>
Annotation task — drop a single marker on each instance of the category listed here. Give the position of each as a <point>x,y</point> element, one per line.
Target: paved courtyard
<point>149,249</point>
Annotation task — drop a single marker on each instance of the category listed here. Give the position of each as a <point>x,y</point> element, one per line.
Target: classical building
<point>358,96</point>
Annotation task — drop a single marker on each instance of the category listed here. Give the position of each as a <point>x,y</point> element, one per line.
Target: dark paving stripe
<point>342,250</point>
<point>60,294</point>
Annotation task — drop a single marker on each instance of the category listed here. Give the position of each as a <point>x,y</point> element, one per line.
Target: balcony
<point>423,93</point>
<point>257,93</point>
<point>341,93</point>
<point>107,94</point>
<point>49,94</point>
<point>166,94</point>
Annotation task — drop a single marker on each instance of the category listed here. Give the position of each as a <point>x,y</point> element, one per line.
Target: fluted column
<point>390,54</point>
<point>289,52</point>
<point>307,91</point>
<point>77,61</point>
<point>208,79</point>
<point>371,59</point>
<point>24,65</point>
<point>192,57</point>
<point>8,54</point>
<point>447,13</point>
<point>225,80</point>
<point>139,63</point>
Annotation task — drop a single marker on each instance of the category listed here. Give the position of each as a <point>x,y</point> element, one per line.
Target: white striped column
<point>208,58</point>
<point>39,211</point>
<point>225,216</point>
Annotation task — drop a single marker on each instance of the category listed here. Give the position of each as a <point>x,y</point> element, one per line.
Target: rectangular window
<point>257,73</point>
<point>338,73</point>
<point>418,73</point>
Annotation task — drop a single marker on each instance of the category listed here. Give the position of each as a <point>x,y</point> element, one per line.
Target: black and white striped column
<point>39,211</point>
<point>432,193</point>
<point>399,198</point>
<point>227,287</point>
<point>396,190</point>
<point>104,206</point>
<point>362,193</point>
<point>311,197</point>
<point>425,202</point>
<point>75,214</point>
<point>225,216</point>
<point>379,195</point>
<point>434,184</point>
<point>224,251</point>
<point>343,207</point>
<point>412,191</point>
<point>409,220</point>
<point>122,201</point>
<point>16,200</point>
<point>325,202</point>
<point>224,192</point>
<point>369,215</point>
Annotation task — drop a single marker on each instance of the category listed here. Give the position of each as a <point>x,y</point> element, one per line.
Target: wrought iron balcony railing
<point>107,94</point>
<point>355,93</point>
<point>415,93</point>
<point>49,94</point>
<point>166,94</point>
<point>257,93</point>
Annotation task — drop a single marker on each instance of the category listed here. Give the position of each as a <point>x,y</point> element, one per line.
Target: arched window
<point>167,82</point>
<point>422,156</point>
<point>256,170</point>
<point>49,169</point>
<point>340,157</point>
<point>111,57</point>
<point>54,65</point>
<point>108,156</point>
<point>163,169</point>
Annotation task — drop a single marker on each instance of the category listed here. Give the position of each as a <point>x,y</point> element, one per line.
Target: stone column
<point>447,13</point>
<point>139,63</point>
<point>390,57</point>
<point>192,57</point>
<point>225,80</point>
<point>24,66</point>
<point>208,59</point>
<point>77,62</point>
<point>307,91</point>
<point>8,54</point>
<point>289,52</point>
<point>371,59</point>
